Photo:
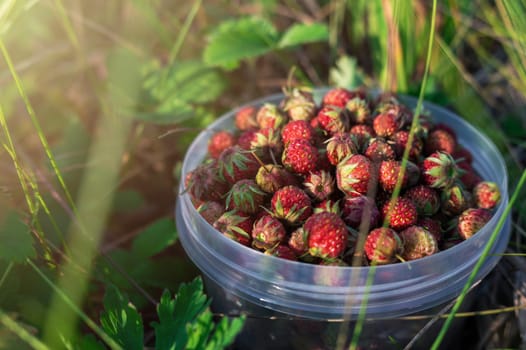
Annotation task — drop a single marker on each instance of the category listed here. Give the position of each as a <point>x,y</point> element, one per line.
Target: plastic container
<point>305,302</point>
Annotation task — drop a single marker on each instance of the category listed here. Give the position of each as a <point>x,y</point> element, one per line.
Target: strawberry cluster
<point>300,180</point>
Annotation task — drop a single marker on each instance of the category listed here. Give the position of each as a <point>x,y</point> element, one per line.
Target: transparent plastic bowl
<point>242,280</point>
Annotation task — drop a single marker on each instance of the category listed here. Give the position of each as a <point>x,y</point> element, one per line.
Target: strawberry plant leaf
<point>87,342</point>
<point>299,34</point>
<point>205,334</point>
<point>155,238</point>
<point>17,242</point>
<point>167,112</point>
<point>346,73</point>
<point>121,321</point>
<point>239,39</point>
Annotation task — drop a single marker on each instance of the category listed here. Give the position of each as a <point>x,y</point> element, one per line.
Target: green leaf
<point>168,112</point>
<point>17,242</point>
<point>121,321</point>
<point>304,33</point>
<point>174,314</point>
<point>155,238</point>
<point>346,73</point>
<point>87,342</point>
<point>238,39</point>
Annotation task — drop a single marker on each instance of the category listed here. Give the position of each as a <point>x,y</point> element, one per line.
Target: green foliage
<point>248,37</point>
<point>346,73</point>
<point>154,239</point>
<point>17,242</point>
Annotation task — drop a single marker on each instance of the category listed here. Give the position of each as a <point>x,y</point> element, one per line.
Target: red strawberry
<point>383,246</point>
<point>440,140</point>
<point>299,104</point>
<point>267,232</point>
<point>204,183</point>
<point>267,144</point>
<point>220,141</point>
<point>291,204</point>
<point>389,172</point>
<point>319,184</point>
<point>339,147</point>
<point>246,138</point>
<point>270,116</point>
<point>328,205</point>
<point>455,200</point>
<point>211,211</point>
<point>337,97</point>
<point>378,150</point>
<point>298,241</point>
<point>236,164</point>
<point>471,221</point>
<point>297,129</point>
<point>432,225</point>
<point>327,235</point>
<point>439,170</point>
<point>235,225</point>
<point>245,118</point>
<point>487,194</point>
<point>272,177</point>
<point>359,110</point>
<point>386,124</point>
<point>400,213</point>
<point>282,251</point>
<point>447,128</point>
<point>246,196</point>
<point>332,120</point>
<point>399,142</point>
<point>418,243</point>
<point>425,199</point>
<point>356,210</point>
<point>300,156</point>
<point>361,134</point>
<point>353,175</point>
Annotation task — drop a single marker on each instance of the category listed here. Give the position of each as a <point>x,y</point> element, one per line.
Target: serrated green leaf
<point>87,342</point>
<point>17,242</point>
<point>238,39</point>
<point>168,112</point>
<point>346,73</point>
<point>155,238</point>
<point>299,34</point>
<point>121,321</point>
<point>174,314</point>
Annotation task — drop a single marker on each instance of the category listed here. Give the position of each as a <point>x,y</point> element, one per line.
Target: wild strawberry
<point>383,246</point>
<point>298,241</point>
<point>356,210</point>
<point>328,205</point>
<point>271,177</point>
<point>353,175</point>
<point>385,101</point>
<point>339,147</point>
<point>299,104</point>
<point>400,213</point>
<point>319,184</point>
<point>220,141</point>
<point>204,183</point>
<point>236,164</point>
<point>487,194</point>
<point>432,225</point>
<point>378,150</point>
<point>245,118</point>
<point>337,97</point>
<point>440,140</point>
<point>211,211</point>
<point>270,116</point>
<point>267,232</point>
<point>299,156</point>
<point>235,225</point>
<point>425,199</point>
<point>361,134</point>
<point>446,128</point>
<point>439,170</point>
<point>468,175</point>
<point>388,175</point>
<point>386,124</point>
<point>332,120</point>
<point>327,235</point>
<point>323,161</point>
<point>246,138</point>
<point>358,110</point>
<point>399,141</point>
<point>291,204</point>
<point>297,129</point>
<point>418,243</point>
<point>282,251</point>
<point>455,200</point>
<point>267,144</point>
<point>246,196</point>
<point>471,221</point>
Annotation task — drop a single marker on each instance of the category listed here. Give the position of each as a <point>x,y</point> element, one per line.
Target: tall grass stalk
<point>21,332</point>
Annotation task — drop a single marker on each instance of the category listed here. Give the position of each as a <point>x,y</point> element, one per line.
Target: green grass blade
<point>68,26</point>
<point>22,333</point>
<point>184,31</point>
<point>478,265</point>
